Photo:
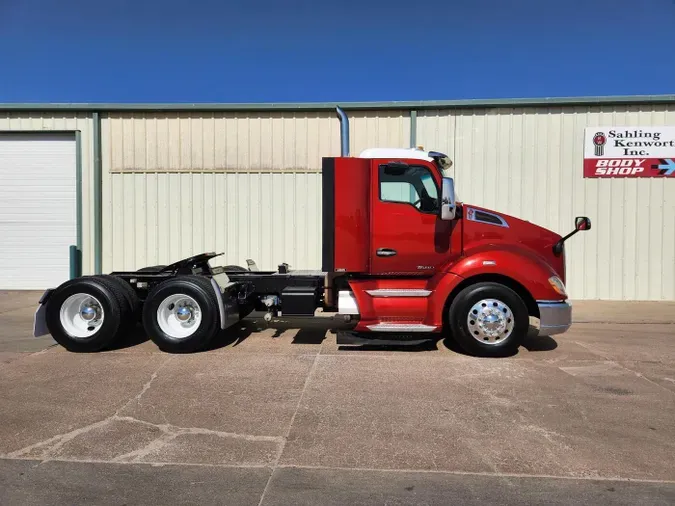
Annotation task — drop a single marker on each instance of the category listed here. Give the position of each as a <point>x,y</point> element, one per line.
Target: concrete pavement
<point>284,416</point>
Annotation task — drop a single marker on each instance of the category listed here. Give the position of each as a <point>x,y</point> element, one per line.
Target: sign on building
<point>629,152</point>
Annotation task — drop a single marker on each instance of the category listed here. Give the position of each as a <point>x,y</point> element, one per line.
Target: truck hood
<point>484,228</point>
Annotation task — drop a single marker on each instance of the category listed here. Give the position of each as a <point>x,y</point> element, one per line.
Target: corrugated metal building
<point>149,184</point>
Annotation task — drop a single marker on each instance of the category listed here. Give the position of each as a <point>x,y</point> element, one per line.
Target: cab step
<point>401,327</point>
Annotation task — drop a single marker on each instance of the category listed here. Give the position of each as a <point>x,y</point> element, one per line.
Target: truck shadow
<point>316,334</point>
<point>233,336</point>
<point>133,338</point>
<point>237,334</point>
<point>429,345</point>
<point>532,342</point>
<point>543,343</point>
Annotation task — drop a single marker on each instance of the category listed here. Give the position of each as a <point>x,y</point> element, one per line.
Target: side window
<point>412,185</point>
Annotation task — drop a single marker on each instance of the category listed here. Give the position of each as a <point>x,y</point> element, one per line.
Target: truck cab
<point>418,260</point>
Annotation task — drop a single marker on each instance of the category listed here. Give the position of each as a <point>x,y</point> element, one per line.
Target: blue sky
<point>343,50</point>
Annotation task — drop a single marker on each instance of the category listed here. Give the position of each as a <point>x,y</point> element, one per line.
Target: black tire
<point>154,268</point>
<point>459,322</point>
<point>134,304</point>
<point>111,300</point>
<point>124,299</point>
<point>201,290</point>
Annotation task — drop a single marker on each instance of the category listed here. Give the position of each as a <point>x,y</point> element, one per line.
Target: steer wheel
<point>488,320</point>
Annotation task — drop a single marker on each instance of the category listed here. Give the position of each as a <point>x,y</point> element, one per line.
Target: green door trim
<point>413,128</point>
<point>78,187</point>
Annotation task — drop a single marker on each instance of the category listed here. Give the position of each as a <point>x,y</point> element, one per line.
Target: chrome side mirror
<point>448,205</point>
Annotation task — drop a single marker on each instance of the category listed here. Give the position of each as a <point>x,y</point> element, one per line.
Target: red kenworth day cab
<point>402,261</point>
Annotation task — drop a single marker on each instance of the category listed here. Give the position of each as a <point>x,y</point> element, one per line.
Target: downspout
<point>413,128</point>
<point>344,131</point>
<point>98,196</point>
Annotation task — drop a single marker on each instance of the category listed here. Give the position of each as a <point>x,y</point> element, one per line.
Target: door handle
<point>385,252</point>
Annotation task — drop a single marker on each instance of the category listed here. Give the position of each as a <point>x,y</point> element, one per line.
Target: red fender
<point>516,263</point>
<point>442,285</point>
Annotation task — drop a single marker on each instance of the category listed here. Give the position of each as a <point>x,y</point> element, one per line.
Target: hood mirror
<point>582,223</point>
<point>448,204</point>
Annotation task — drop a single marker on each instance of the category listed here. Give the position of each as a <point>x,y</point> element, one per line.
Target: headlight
<point>558,285</point>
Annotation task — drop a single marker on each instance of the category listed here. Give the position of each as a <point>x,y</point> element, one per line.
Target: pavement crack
<point>173,429</point>
<point>154,445</point>
<point>50,447</point>
<point>619,364</point>
<point>290,425</point>
<point>554,438</point>
<point>54,443</point>
<point>146,387</point>
<point>388,470</point>
<point>170,432</point>
<point>247,437</point>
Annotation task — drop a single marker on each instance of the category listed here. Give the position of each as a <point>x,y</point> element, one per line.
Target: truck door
<point>408,235</point>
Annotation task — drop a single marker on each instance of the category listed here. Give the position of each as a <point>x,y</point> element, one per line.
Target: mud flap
<point>227,300</point>
<point>40,318</point>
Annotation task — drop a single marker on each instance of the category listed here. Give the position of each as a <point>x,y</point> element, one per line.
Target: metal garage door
<point>37,209</point>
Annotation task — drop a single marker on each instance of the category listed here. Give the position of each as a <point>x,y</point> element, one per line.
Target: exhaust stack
<point>344,131</point>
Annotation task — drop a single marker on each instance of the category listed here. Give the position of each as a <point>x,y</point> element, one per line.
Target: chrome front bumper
<point>555,317</point>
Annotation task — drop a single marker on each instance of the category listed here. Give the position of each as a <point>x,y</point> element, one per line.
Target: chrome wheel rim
<point>179,316</point>
<point>490,321</point>
<point>81,315</point>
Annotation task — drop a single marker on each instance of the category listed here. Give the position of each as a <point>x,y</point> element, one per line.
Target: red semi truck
<point>403,261</point>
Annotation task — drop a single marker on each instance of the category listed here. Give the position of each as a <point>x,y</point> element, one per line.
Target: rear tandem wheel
<point>87,314</point>
<point>181,314</point>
